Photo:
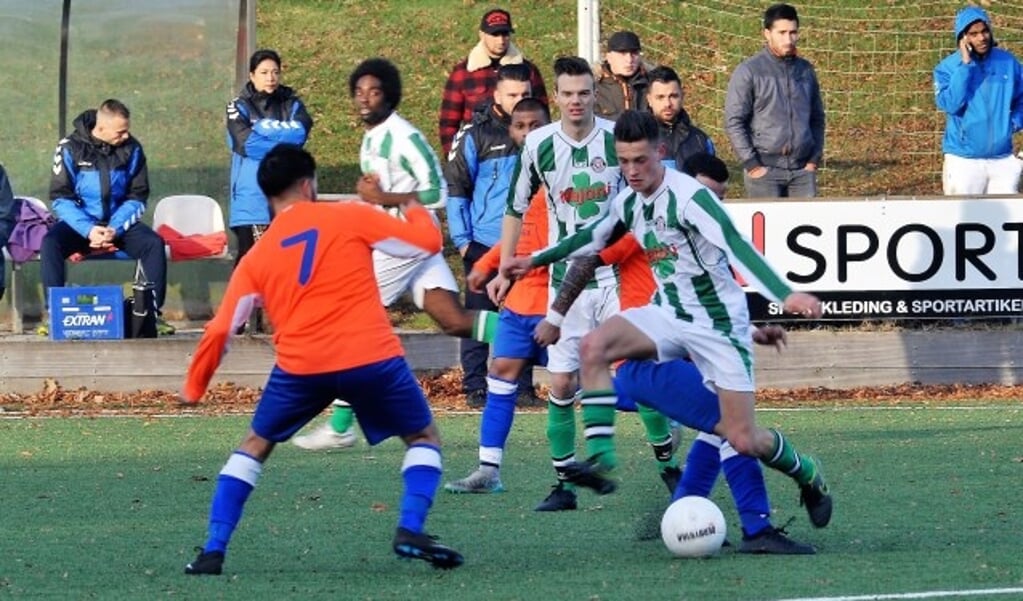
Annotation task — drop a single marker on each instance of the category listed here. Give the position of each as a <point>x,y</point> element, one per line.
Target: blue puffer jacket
<point>983,99</point>
<point>95,183</point>
<point>478,174</point>
<point>256,122</point>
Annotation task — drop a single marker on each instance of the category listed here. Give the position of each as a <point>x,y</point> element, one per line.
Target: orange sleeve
<point>490,260</point>
<point>394,236</point>
<point>618,252</point>
<point>528,296</point>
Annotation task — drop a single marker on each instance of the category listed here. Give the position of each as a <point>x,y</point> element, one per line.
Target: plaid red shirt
<point>465,90</point>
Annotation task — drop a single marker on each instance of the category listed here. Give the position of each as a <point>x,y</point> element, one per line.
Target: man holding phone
<point>980,88</point>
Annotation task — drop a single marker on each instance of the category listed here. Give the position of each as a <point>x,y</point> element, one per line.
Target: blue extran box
<point>86,313</point>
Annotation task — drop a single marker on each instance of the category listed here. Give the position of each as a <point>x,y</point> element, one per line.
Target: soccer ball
<point>693,527</point>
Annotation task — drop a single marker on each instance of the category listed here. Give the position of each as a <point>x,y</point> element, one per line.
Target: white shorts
<point>970,177</point>
<point>396,276</point>
<point>724,358</point>
<point>591,309</point>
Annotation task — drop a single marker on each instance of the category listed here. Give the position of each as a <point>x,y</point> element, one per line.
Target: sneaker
<point>325,437</point>
<point>671,477</point>
<point>206,563</point>
<point>817,500</point>
<point>773,541</point>
<point>560,499</point>
<point>163,328</point>
<point>410,545</point>
<point>476,399</point>
<point>43,330</point>
<point>590,474</point>
<point>477,482</point>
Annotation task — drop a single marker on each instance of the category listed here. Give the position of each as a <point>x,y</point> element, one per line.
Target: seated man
<point>7,220</point>
<point>98,190</point>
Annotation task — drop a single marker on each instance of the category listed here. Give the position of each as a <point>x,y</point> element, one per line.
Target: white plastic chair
<point>191,214</point>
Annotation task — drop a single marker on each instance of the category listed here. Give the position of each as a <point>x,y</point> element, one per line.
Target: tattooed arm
<point>579,274</point>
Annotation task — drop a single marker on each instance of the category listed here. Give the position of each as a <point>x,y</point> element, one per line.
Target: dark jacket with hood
<point>478,174</point>
<point>94,183</point>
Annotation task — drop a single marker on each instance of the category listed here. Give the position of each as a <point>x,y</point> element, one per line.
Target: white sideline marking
<point>922,595</point>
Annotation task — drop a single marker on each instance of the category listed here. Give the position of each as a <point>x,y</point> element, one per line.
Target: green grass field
<point>925,500</point>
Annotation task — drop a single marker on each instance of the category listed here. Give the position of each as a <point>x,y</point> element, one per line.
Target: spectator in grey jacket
<point>774,115</point>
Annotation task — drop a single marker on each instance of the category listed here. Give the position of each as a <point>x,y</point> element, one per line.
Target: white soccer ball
<point>693,527</point>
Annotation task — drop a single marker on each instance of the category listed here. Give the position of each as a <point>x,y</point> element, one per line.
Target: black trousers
<point>247,236</point>
<point>138,242</point>
<point>473,353</point>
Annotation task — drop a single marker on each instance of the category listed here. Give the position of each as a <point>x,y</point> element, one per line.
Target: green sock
<point>561,431</point>
<point>658,434</point>
<point>341,419</point>
<point>786,459</point>
<point>599,425</point>
<point>484,326</point>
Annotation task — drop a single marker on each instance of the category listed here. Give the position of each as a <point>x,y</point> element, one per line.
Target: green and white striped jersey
<point>581,178</point>
<point>399,153</point>
<point>690,242</point>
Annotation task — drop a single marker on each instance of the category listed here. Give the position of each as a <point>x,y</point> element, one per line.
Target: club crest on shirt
<point>598,164</point>
<point>659,225</point>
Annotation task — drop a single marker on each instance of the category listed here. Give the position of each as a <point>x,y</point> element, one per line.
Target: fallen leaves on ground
<point>444,390</point>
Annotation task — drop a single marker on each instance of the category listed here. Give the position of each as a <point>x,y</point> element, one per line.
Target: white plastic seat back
<point>189,214</point>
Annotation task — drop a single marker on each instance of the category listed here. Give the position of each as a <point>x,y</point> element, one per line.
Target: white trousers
<point>969,177</point>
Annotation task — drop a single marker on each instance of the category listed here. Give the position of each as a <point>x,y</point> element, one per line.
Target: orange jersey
<point>637,281</point>
<point>529,294</point>
<point>312,270</point>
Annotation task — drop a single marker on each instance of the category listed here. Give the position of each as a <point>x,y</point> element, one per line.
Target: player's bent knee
<point>256,446</point>
<point>428,435</point>
<point>744,443</point>
<point>593,349</point>
<point>506,369</point>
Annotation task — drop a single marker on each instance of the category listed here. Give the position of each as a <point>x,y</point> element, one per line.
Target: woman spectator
<point>264,114</point>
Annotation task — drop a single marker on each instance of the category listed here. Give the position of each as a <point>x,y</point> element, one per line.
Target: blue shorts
<point>514,337</point>
<point>674,388</point>
<point>385,397</point>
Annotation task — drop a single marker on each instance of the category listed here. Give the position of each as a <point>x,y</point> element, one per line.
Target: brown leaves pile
<point>444,390</point>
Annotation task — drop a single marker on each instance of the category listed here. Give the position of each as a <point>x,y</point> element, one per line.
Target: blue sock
<point>496,423</point>
<point>237,479</point>
<point>746,480</point>
<point>702,467</point>
<point>421,472</point>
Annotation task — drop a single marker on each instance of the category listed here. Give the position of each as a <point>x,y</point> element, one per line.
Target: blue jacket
<point>256,122</point>
<point>94,183</point>
<point>478,174</point>
<point>983,100</point>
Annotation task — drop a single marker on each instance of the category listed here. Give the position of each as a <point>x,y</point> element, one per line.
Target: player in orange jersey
<point>312,271</point>
<point>514,349</point>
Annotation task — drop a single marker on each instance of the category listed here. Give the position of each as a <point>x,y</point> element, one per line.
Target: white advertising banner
<point>908,258</point>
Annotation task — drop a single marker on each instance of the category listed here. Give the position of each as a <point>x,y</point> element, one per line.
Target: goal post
<point>588,19</point>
